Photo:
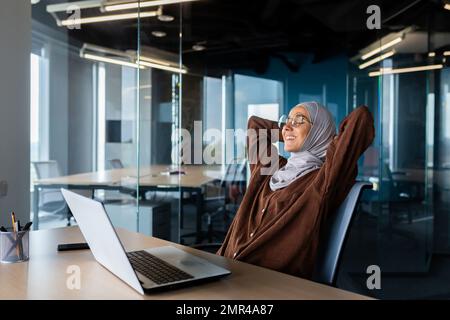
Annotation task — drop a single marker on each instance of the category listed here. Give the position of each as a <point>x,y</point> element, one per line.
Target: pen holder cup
<point>14,246</point>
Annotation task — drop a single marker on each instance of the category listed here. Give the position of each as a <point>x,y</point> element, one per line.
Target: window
<point>255,96</point>
<point>34,107</point>
<point>38,113</point>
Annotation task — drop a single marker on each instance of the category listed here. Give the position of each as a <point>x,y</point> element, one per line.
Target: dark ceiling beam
<point>404,9</point>
<point>269,8</point>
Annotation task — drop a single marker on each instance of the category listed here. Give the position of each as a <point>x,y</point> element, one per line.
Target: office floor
<point>408,269</point>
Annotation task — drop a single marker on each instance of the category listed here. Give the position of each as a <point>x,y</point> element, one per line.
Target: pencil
<point>13,218</point>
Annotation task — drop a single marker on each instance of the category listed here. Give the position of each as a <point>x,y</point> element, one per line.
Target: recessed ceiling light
<point>159,34</point>
<point>165,18</point>
<point>35,1</point>
<point>432,54</point>
<point>198,47</point>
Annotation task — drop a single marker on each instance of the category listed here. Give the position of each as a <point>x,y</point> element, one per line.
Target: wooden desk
<point>44,275</point>
<point>151,179</point>
<point>151,176</point>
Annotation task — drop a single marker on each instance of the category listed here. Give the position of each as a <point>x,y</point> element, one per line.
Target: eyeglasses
<point>295,121</point>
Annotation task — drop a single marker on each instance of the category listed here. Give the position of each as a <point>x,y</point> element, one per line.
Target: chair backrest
<point>115,164</point>
<point>335,234</point>
<point>235,174</point>
<point>46,170</point>
<point>235,171</point>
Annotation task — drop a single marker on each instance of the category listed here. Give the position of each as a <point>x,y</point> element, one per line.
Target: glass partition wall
<point>108,104</point>
<point>122,119</point>
<point>87,111</point>
<point>402,225</point>
<point>160,110</point>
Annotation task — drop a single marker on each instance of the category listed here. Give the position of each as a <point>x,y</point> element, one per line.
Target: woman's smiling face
<point>294,135</point>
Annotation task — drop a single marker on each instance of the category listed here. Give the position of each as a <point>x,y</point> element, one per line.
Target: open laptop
<point>156,268</point>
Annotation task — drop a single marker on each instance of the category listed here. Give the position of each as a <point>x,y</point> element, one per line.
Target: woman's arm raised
<point>356,134</point>
<point>261,134</point>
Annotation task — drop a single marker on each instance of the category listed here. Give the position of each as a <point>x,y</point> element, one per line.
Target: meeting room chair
<point>51,200</point>
<point>397,196</point>
<point>115,164</point>
<point>335,234</point>
<point>232,188</point>
<point>126,190</point>
<point>118,164</point>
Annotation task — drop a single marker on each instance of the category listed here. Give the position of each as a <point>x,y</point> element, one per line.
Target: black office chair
<point>335,234</point>
<point>397,196</point>
<point>232,187</point>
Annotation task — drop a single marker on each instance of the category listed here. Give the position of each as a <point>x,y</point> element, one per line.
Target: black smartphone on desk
<point>72,246</point>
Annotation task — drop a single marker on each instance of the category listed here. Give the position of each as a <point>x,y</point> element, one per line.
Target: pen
<point>27,226</point>
<point>13,219</point>
<point>14,225</point>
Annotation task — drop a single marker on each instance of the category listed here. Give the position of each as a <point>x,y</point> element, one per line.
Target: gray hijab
<point>313,151</point>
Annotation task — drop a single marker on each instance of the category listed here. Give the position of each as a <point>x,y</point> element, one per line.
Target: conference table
<point>47,273</point>
<point>166,178</point>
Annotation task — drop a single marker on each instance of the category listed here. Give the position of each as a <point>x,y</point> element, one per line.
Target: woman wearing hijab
<point>279,220</point>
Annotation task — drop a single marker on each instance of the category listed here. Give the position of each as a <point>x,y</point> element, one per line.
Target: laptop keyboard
<point>156,269</point>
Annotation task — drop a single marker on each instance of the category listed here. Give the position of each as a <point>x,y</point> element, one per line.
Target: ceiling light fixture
<point>381,48</point>
<point>98,58</point>
<point>446,53</point>
<point>161,67</point>
<point>64,7</point>
<point>447,6</point>
<point>141,4</point>
<point>159,34</point>
<point>432,54</point>
<point>405,70</point>
<point>128,58</point>
<point>165,18</point>
<point>198,47</point>
<point>377,59</point>
<point>114,17</point>
<point>159,64</point>
<point>155,61</point>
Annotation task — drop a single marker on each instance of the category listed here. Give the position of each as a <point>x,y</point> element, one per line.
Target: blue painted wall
<point>325,81</point>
